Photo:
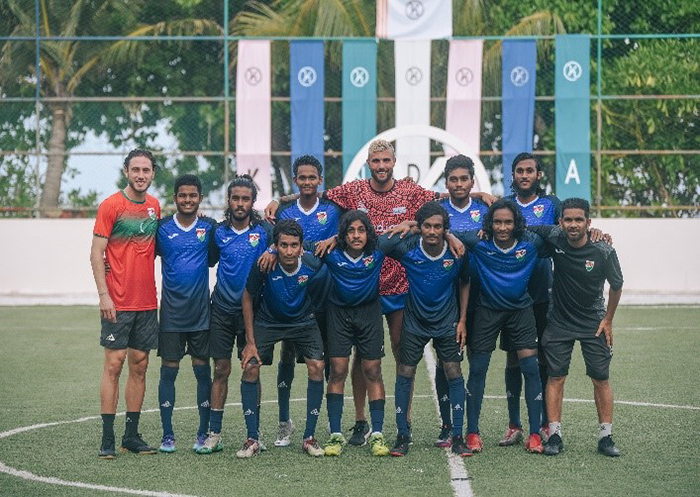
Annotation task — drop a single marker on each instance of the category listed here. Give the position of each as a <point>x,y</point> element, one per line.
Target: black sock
<point>132,424</point>
<point>108,427</point>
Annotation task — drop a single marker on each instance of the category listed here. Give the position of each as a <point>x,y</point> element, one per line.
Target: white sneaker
<point>284,433</point>
<point>251,448</point>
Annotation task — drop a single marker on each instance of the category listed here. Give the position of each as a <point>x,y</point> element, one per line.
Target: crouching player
<point>285,313</point>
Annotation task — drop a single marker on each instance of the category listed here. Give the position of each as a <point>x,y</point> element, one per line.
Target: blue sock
<point>166,397</point>
<point>216,419</point>
<point>476,383</point>
<point>443,394</point>
<point>203,375</point>
<point>514,386</point>
<point>403,394</point>
<point>543,380</point>
<point>334,401</point>
<point>314,398</point>
<point>249,400</point>
<point>533,392</point>
<point>285,377</point>
<point>376,413</point>
<point>457,401</point>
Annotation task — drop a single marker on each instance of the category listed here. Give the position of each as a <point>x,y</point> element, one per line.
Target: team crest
<point>322,217</point>
<point>519,254</point>
<point>475,215</point>
<point>201,234</point>
<point>447,264</point>
<point>303,279</point>
<point>589,265</point>
<point>538,210</point>
<point>152,213</point>
<point>254,239</point>
<point>368,261</point>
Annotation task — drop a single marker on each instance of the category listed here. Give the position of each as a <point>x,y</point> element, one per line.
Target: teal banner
<point>572,107</point>
<point>359,97</point>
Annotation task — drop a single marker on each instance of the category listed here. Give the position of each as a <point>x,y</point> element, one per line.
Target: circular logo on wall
<point>572,71</point>
<point>414,9</point>
<point>359,76</point>
<point>253,76</point>
<point>519,76</point>
<point>306,76</point>
<point>464,76</point>
<point>413,76</point>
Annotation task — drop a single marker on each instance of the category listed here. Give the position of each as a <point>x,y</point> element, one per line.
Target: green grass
<point>50,366</point>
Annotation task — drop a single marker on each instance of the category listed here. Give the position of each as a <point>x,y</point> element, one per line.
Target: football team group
<point>457,269</point>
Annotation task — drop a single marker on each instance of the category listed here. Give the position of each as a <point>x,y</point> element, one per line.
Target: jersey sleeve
<point>464,270</point>
<point>557,207</point>
<point>213,249</point>
<point>268,231</point>
<point>543,230</point>
<point>344,195</point>
<point>158,235</point>
<point>543,249</point>
<point>396,247</point>
<point>613,271</point>
<point>255,281</point>
<point>312,261</point>
<point>283,211</point>
<point>106,216</point>
<point>469,238</point>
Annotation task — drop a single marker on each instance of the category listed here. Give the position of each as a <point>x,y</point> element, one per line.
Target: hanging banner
<point>572,110</point>
<point>414,19</point>
<point>359,96</point>
<point>253,122</point>
<point>412,60</point>
<point>463,111</point>
<point>306,87</point>
<point>518,108</point>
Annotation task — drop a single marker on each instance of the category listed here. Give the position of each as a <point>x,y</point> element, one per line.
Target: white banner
<point>412,60</point>
<point>414,19</point>
<point>463,110</point>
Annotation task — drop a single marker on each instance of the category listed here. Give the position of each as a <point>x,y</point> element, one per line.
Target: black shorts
<point>133,329</point>
<point>541,309</point>
<point>558,344</point>
<point>224,330</point>
<point>172,345</point>
<point>322,322</point>
<point>411,348</point>
<point>519,324</point>
<point>306,339</point>
<point>359,326</point>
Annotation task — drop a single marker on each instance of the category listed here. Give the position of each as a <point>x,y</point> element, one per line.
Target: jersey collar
<point>463,209</point>
<point>528,204</point>
<point>188,228</point>
<point>310,211</point>
<point>354,261</point>
<point>241,231</point>
<point>430,257</point>
<point>293,272</point>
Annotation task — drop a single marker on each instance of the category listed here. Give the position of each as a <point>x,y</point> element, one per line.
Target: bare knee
<point>601,384</point>
<point>452,370</point>
<point>251,373</point>
<point>406,371</point>
<point>372,371</point>
<point>114,363</point>
<point>315,369</point>
<point>556,381</point>
<point>138,363</point>
<point>222,370</point>
<point>339,371</point>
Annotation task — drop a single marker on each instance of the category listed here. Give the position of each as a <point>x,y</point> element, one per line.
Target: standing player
<point>124,238</point>
<point>318,219</point>
<point>579,313</point>
<point>285,312</point>
<point>432,313</point>
<point>537,209</point>
<point>186,246</point>
<point>241,238</point>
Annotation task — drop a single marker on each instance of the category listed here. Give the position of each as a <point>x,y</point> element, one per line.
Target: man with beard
<point>125,238</point>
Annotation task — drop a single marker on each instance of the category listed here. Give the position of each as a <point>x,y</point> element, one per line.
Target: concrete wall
<point>47,261</point>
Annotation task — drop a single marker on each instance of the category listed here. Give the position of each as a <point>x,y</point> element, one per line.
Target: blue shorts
<point>393,303</point>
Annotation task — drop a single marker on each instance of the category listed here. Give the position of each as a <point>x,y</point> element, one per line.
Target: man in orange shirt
<point>124,238</point>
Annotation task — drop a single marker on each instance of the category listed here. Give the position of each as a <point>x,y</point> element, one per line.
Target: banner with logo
<point>572,108</point>
<point>412,59</point>
<point>518,107</point>
<point>253,122</point>
<point>359,96</point>
<point>463,111</point>
<point>414,19</point>
<point>306,89</point>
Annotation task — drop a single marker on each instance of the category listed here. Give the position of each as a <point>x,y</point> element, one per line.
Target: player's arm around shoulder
<point>395,246</point>
<point>470,239</point>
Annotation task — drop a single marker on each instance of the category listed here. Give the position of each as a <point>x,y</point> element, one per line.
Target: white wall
<point>47,261</point>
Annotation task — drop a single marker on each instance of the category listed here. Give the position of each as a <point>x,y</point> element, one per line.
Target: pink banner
<point>463,112</point>
<point>253,121</point>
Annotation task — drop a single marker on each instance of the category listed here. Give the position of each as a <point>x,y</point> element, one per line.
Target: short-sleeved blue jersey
<point>239,251</point>
<point>185,257</point>
<point>285,296</point>
<point>542,210</point>
<point>355,281</point>
<point>504,274</point>
<point>431,305</point>
<point>467,218</point>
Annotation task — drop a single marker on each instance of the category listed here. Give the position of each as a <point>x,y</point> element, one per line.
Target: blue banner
<point>306,92</point>
<point>359,97</point>
<point>572,108</point>
<point>518,107</point>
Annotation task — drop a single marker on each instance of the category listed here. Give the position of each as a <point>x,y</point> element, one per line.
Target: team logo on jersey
<point>475,215</point>
<point>448,263</point>
<point>201,234</point>
<point>538,210</point>
<point>151,213</point>
<point>361,207</point>
<point>399,210</point>
<point>589,265</point>
<point>254,239</point>
<point>519,254</point>
<point>303,279</point>
<point>368,261</point>
<point>322,217</point>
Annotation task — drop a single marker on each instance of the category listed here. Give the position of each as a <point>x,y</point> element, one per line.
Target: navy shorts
<point>359,326</point>
<point>173,345</point>
<point>518,324</point>
<point>225,330</point>
<point>306,339</point>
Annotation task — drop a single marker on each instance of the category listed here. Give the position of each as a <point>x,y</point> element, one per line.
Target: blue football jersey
<point>185,258</point>
<point>355,281</point>
<point>239,251</point>
<point>467,218</point>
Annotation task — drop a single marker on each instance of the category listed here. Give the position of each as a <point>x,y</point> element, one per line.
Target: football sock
<point>166,397</point>
<point>108,426</point>
<point>249,401</point>
<point>403,394</point>
<point>605,430</point>
<point>443,394</point>
<point>132,424</point>
<point>554,428</point>
<point>475,388</point>
<point>376,413</point>
<point>314,398</point>
<point>285,377</point>
<point>334,401</point>
<point>533,392</point>
<point>457,401</point>
<point>514,385</point>
<point>216,419</point>
<point>543,380</point>
<point>203,375</point>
